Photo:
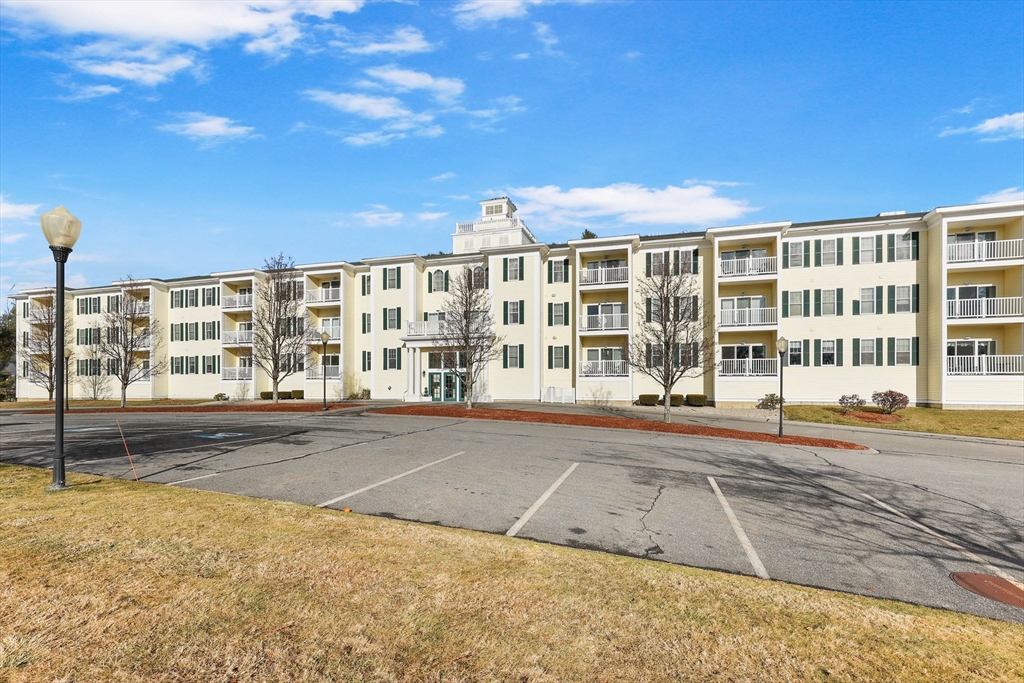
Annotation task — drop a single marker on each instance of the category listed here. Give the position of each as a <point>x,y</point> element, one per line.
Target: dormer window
<point>494,210</point>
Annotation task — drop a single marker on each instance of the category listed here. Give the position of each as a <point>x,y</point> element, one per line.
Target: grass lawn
<point>998,424</point>
<point>108,403</point>
<point>115,580</point>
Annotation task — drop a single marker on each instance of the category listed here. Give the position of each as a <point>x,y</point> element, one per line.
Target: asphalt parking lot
<point>890,524</point>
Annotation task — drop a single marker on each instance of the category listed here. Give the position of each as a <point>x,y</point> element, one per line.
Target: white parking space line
<point>995,570</point>
<point>517,527</point>
<point>755,561</point>
<point>387,481</point>
<point>183,481</point>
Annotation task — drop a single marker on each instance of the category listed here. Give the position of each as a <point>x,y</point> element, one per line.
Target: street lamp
<point>324,337</point>
<point>61,230</point>
<point>67,380</point>
<point>782,344</point>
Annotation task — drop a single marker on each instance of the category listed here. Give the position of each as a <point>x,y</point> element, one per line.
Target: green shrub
<point>676,400</point>
<point>648,399</point>
<point>696,400</point>
<point>284,395</point>
<point>266,395</point>
<point>220,397</point>
<point>298,393</point>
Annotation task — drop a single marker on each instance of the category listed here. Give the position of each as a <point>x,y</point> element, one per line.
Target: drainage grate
<point>991,587</point>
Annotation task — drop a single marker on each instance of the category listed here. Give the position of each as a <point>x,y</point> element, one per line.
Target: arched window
<point>479,278</point>
<point>438,284</point>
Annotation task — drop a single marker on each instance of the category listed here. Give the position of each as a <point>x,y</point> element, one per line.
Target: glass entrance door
<point>434,382</point>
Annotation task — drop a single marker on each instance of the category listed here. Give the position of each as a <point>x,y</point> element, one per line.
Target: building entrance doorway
<point>445,387</point>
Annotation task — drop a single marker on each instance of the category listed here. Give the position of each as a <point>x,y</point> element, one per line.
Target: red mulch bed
<point>874,417</point>
<point>614,423</point>
<point>248,408</point>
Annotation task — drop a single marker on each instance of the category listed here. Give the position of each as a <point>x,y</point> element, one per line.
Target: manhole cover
<point>991,587</point>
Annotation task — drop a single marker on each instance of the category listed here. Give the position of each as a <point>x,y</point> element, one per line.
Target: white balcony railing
<point>984,308</point>
<point>984,365</point>
<point>334,332</point>
<point>749,367</point>
<point>145,342</point>
<point>992,250</point>
<point>316,372</point>
<point>236,301</point>
<point>742,317</point>
<point>760,265</point>
<point>424,328</point>
<point>236,373</point>
<point>604,321</point>
<point>493,223</point>
<point>141,308</point>
<point>237,336</point>
<point>603,276</point>
<point>316,296</point>
<point>604,368</point>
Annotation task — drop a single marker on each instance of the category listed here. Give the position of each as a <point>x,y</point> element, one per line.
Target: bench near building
<point>928,304</point>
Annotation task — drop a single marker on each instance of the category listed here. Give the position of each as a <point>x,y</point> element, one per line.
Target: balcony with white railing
<point>603,368</point>
<point>984,365</point>
<point>746,317</point>
<point>994,307</point>
<point>990,250</point>
<point>760,265</point>
<point>749,367</point>
<point>141,308</point>
<point>236,301</point>
<point>323,296</point>
<point>234,374</point>
<point>604,321</point>
<point>318,372</point>
<point>424,328</point>
<point>603,276</point>
<point>144,343</point>
<point>236,337</point>
<point>334,332</point>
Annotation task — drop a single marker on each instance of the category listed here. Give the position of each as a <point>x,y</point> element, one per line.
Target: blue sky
<point>193,137</point>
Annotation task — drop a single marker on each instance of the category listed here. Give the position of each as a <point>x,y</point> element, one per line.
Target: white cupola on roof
<point>498,226</point>
<point>499,207</point>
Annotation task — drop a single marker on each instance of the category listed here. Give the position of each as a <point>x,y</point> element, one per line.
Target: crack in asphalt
<point>654,547</point>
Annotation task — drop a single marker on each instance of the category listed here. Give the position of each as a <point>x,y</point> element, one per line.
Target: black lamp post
<point>324,337</point>
<point>61,230</point>
<point>782,344</point>
<point>67,380</point>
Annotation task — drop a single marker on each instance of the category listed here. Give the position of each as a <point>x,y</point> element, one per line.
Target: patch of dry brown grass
<point>995,424</point>
<point>114,580</point>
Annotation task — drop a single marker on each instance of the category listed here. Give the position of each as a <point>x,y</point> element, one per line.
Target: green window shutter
<point>565,270</point>
<point>504,356</point>
<point>551,314</point>
<point>915,344</point>
<point>839,353</point>
<point>891,358</point>
<point>398,318</point>
<point>504,269</point>
<point>892,248</point>
<point>785,304</point>
<point>430,283</point>
<point>398,358</point>
<point>522,268</point>
<point>565,357</point>
<point>487,277</point>
<point>878,350</point>
<point>204,364</point>
<point>915,297</point>
<point>217,327</point>
<point>695,264</point>
<point>426,316</point>
<point>504,317</point>
<point>551,265</point>
<point>856,351</point>
<point>398,278</point>
<point>892,299</point>
<point>807,353</point>
<point>817,253</point>
<point>522,361</point>
<point>204,339</point>
<point>839,251</point>
<point>817,353</point>
<point>384,317</point>
<point>856,251</point>
<point>817,303</point>
<point>648,264</point>
<point>915,253</point>
<point>665,262</point>
<point>878,248</point>
<point>694,302</point>
<point>217,299</point>
<point>878,299</point>
<point>807,303</point>
<point>839,301</point>
<point>522,312</point>
<point>675,262</point>
<point>785,254</point>
<point>648,355</point>
<point>565,314</point>
<point>648,318</point>
<point>384,279</point>
<point>807,253</point>
<point>446,280</point>
<point>551,358</point>
<point>384,358</point>
<point>856,306</point>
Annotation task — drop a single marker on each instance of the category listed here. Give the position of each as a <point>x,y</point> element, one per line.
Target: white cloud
<point>521,55</point>
<point>1010,194</point>
<point>366,106</point>
<point>445,90</point>
<point>403,41</point>
<point>543,33</point>
<point>633,55</point>
<point>16,212</point>
<point>471,13</point>
<point>375,137</point>
<point>89,92</point>
<point>444,176</point>
<point>209,129</point>
<point>380,216</point>
<point>12,237</point>
<point>431,215</point>
<point>999,128</point>
<point>460,197</point>
<point>630,203</point>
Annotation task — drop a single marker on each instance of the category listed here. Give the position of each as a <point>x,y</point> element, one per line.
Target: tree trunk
<point>124,395</point>
<point>275,390</point>
<point>668,406</point>
<point>49,390</point>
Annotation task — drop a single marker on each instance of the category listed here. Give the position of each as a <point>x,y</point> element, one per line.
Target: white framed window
<point>438,284</point>
<point>513,269</point>
<point>828,352</point>
<point>558,271</point>
<point>659,266</point>
<point>903,299</point>
<point>867,351</point>
<point>113,366</point>
<point>903,355</point>
<point>828,302</point>
<point>656,310</point>
<point>514,314</point>
<point>193,365</point>
<point>796,352</point>
<point>392,323</point>
<point>796,303</point>
<point>867,300</point>
<point>867,249</point>
<point>828,252</point>
<point>503,240</point>
<point>210,364</point>
<point>904,247</point>
<point>114,303</point>
<point>392,363</point>
<point>193,298</point>
<point>209,296</point>
<point>558,314</point>
<point>392,277</point>
<point>479,278</point>
<point>493,210</point>
<point>796,254</point>
<point>514,361</point>
<point>485,241</point>
<point>558,359</point>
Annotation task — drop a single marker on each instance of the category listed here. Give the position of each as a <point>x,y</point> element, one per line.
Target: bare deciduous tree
<point>92,375</point>
<point>41,350</point>
<point>672,338</point>
<point>130,340</point>
<point>467,333</point>
<point>280,340</point>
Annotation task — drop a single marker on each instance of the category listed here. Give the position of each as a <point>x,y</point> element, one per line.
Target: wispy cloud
<point>547,38</point>
<point>997,129</point>
<point>427,216</point>
<point>403,41</point>
<point>460,197</point>
<point>1010,194</point>
<point>207,128</point>
<point>366,106</point>
<point>88,92</point>
<point>630,203</point>
<point>12,237</point>
<point>380,216</point>
<point>472,13</point>
<point>444,176</point>
<point>444,90</point>
<point>10,211</point>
